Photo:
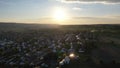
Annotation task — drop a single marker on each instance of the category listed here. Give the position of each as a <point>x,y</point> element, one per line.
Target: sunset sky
<point>60,11</point>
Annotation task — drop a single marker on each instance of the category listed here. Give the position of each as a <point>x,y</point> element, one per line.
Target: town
<point>52,48</point>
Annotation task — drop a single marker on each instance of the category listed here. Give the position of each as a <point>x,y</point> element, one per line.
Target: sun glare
<point>72,55</point>
<point>59,14</point>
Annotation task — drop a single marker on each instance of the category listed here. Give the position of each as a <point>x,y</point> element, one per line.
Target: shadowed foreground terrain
<point>51,46</point>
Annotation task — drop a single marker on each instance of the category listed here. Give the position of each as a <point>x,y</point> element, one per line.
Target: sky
<point>75,11</point>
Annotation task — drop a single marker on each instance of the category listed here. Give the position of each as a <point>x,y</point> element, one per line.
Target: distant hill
<point>23,26</point>
<point>100,27</point>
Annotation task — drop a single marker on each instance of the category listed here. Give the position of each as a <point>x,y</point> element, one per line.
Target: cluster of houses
<point>42,49</point>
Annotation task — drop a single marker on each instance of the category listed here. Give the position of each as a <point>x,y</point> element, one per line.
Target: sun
<point>59,14</point>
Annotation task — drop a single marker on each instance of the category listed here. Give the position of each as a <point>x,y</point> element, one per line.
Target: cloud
<point>92,1</point>
<point>77,8</point>
<point>72,21</point>
<point>94,20</point>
